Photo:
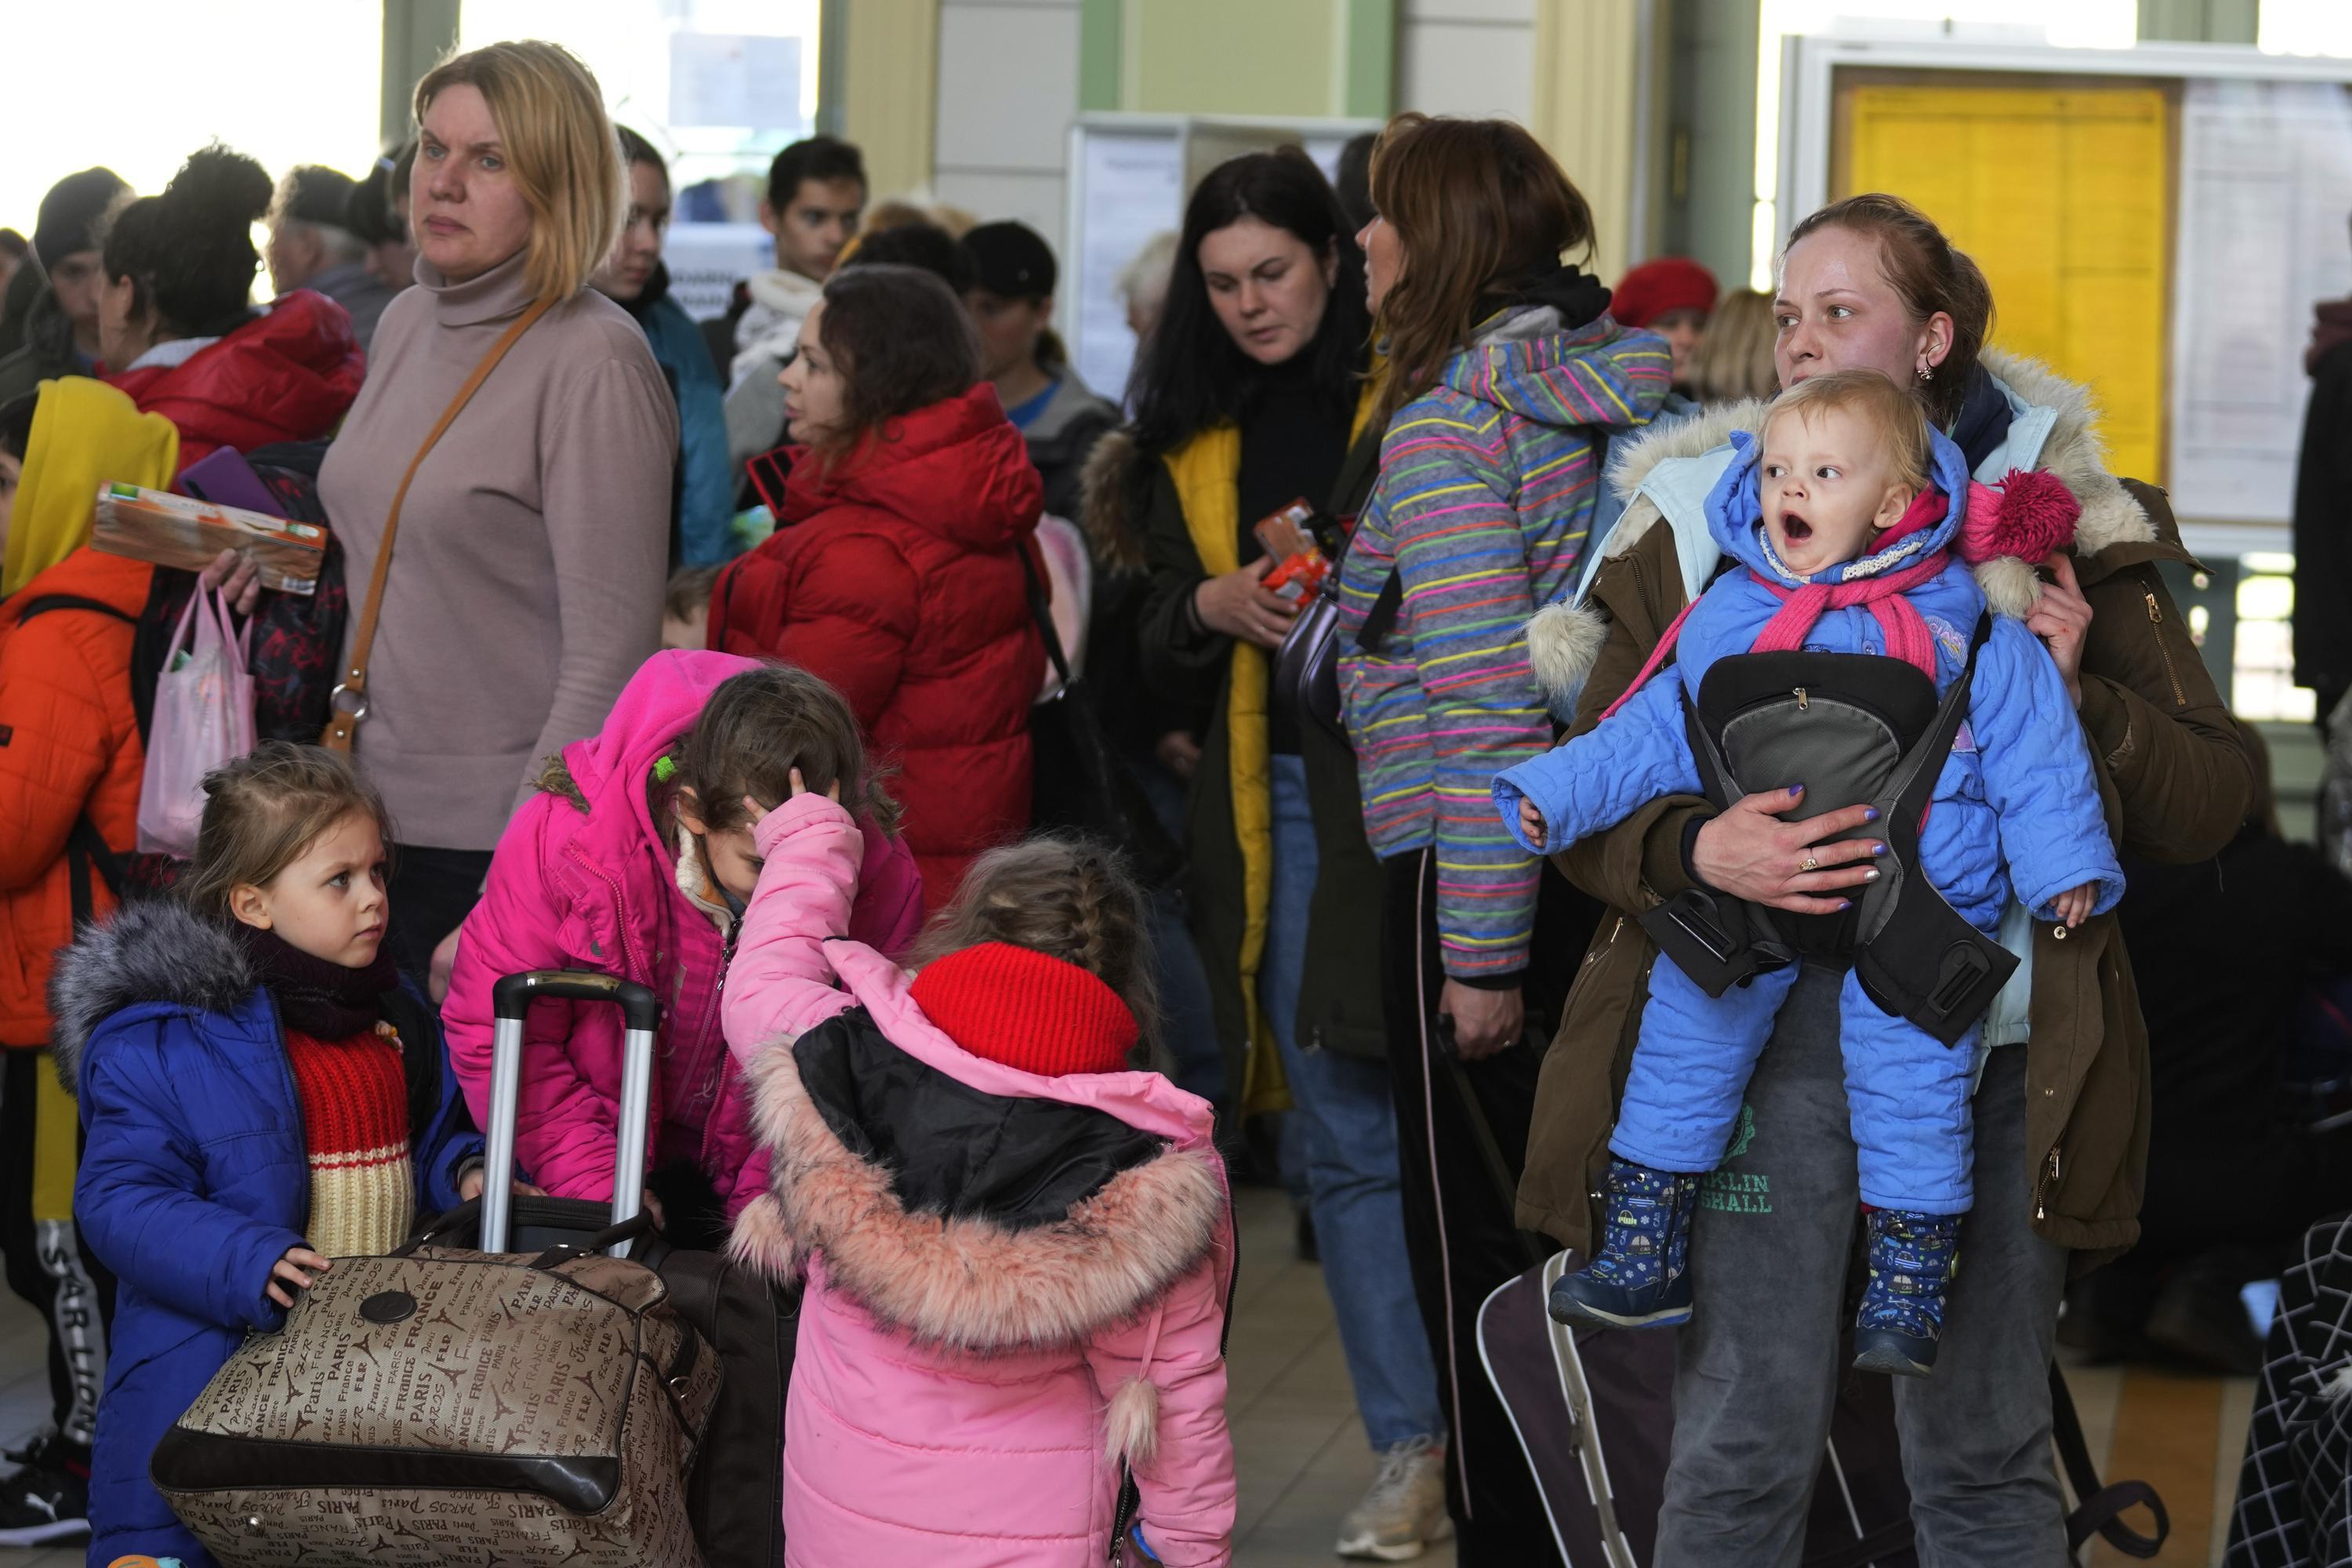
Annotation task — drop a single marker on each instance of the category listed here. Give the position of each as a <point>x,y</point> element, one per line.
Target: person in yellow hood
<point>71,761</point>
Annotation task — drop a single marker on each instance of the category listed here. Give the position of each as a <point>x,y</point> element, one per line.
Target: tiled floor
<point>1303,1460</point>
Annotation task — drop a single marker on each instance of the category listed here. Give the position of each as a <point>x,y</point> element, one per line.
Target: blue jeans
<point>1188,1023</point>
<point>1349,1139</point>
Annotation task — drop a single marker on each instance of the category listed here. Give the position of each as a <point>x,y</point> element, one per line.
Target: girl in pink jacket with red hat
<point>636,858</point>
<point>1017,1251</point>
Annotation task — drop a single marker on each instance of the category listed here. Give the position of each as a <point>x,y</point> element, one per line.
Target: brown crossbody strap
<point>347,704</point>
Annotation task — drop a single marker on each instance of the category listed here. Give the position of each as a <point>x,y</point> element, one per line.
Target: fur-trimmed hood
<point>1565,637</point>
<point>1109,498</point>
<point>151,953</point>
<point>1040,1225</point>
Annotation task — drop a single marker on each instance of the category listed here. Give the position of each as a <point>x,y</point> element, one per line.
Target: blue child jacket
<point>194,1178</point>
<point>2016,798</point>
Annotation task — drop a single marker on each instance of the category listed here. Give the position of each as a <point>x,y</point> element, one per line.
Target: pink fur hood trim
<point>966,1284</point>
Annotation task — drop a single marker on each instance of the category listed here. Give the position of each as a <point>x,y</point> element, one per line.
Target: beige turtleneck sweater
<point>526,583</point>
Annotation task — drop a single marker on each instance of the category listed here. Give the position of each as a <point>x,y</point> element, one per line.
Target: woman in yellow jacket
<point>1252,393</point>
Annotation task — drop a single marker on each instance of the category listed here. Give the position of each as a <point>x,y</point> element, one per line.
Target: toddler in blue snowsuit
<point>1844,520</point>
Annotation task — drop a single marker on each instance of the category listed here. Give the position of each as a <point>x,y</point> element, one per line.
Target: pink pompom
<point>2031,516</point>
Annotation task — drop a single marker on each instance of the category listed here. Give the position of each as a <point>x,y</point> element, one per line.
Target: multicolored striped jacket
<point>1486,498</point>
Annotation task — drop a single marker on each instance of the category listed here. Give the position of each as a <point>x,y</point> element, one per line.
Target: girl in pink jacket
<point>619,866</point>
<point>1017,1253</point>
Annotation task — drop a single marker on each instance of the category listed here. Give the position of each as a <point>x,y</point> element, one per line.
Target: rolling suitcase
<point>735,1495</point>
<point>467,1406</point>
<point>1594,1412</point>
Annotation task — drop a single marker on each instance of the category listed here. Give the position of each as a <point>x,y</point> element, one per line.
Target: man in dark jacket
<point>61,322</point>
<point>312,246</point>
<point>2323,513</point>
<point>1011,303</point>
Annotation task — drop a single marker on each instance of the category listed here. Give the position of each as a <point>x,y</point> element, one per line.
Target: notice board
<point>2063,193</point>
<point>2156,221</point>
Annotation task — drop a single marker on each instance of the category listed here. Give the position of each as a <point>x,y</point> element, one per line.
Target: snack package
<point>180,530</point>
<point>1300,566</point>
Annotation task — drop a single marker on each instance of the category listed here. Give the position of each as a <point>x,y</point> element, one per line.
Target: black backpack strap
<point>1040,610</point>
<point>47,601</point>
<point>86,848</point>
<point>2099,1511</point>
<point>1914,955</point>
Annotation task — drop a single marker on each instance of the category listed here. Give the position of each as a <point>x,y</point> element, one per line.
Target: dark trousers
<point>1757,1369</point>
<point>431,891</point>
<point>48,1264</point>
<point>1459,1229</point>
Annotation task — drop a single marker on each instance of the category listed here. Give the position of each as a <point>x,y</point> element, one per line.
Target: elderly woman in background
<point>533,521</point>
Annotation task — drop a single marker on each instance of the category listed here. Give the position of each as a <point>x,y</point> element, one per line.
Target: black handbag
<point>1076,783</point>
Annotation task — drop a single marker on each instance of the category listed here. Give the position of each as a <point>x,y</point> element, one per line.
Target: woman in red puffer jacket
<point>895,572</point>
<point>176,331</point>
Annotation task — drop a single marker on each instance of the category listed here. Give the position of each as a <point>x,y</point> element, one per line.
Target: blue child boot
<point>1913,1258</point>
<point>1638,1279</point>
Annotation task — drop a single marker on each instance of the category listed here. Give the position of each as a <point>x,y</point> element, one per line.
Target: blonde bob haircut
<point>560,145</point>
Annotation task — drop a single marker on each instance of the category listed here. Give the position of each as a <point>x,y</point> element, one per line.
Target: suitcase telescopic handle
<point>511,999</point>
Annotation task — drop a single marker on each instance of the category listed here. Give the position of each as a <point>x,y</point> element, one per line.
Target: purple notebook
<point>225,479</point>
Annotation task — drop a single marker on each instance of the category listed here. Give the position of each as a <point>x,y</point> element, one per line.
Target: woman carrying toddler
<point>1855,523</point>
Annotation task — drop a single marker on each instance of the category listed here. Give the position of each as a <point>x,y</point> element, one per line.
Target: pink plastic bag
<point>204,718</point>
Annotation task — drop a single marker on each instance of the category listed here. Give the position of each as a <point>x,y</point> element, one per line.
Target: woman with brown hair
<point>1252,393</point>
<point>1870,283</point>
<point>1504,365</point>
<point>895,572</point>
<point>524,585</point>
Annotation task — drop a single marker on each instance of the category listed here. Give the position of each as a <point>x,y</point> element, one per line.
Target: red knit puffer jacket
<point>893,575</point>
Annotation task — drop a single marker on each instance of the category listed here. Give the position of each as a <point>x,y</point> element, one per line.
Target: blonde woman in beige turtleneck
<point>526,584</point>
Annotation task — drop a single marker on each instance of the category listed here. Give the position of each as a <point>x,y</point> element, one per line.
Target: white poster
<point>1131,187</point>
<point>705,259</point>
<point>2266,194</point>
<point>736,80</point>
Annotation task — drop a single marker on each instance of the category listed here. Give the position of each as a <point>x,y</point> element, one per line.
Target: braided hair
<point>1064,895</point>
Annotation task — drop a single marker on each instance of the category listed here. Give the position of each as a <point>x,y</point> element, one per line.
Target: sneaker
<point>1405,1509</point>
<point>1639,1279</point>
<point>1911,1260</point>
<point>48,1499</point>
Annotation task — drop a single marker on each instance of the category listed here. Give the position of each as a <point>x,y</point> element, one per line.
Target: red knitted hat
<point>1027,1010</point>
<point>1668,283</point>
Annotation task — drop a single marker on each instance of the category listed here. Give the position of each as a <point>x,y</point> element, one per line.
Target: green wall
<point>1286,57</point>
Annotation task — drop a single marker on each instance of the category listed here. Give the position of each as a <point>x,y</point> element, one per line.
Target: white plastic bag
<point>204,718</point>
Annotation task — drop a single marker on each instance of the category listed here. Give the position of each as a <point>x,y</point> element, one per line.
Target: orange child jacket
<point>68,743</point>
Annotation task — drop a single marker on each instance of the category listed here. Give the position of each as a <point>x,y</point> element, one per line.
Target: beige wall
<point>972,100</point>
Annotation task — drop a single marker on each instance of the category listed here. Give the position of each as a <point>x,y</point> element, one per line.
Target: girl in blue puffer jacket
<point>260,1094</point>
<point>1854,522</point>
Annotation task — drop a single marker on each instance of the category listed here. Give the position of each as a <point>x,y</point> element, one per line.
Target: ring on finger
<point>1808,864</point>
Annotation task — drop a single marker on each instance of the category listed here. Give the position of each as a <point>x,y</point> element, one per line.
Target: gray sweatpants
<point>1758,1365</point>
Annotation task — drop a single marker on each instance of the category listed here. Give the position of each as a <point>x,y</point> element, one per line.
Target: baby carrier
<point>1855,729</point>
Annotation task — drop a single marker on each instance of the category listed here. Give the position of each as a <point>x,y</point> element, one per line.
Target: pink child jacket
<point>597,889</point>
<point>965,1387</point>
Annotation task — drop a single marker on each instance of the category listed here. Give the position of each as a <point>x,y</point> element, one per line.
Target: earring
<point>1927,373</point>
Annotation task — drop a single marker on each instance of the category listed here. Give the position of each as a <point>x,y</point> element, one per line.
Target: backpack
<point>86,848</point>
